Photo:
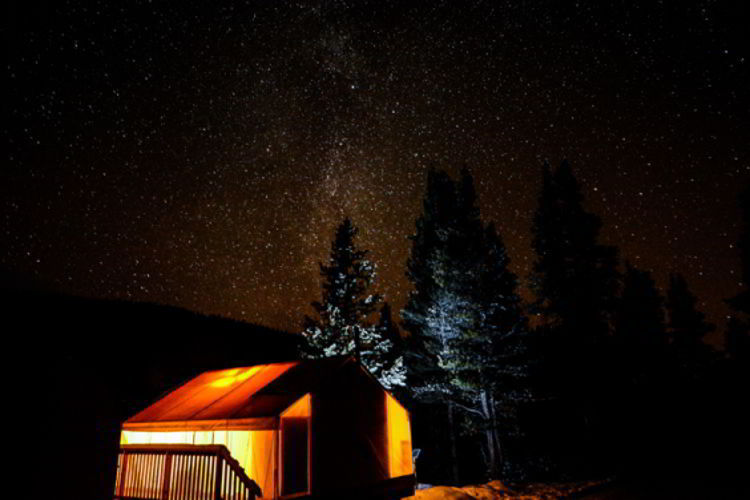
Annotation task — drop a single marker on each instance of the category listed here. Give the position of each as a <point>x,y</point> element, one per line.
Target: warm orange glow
<point>399,439</point>
<point>301,408</point>
<point>262,460</point>
<point>217,395</point>
<point>235,376</point>
<point>136,437</point>
<point>253,450</point>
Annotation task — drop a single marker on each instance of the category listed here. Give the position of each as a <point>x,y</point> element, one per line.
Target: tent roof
<point>237,394</point>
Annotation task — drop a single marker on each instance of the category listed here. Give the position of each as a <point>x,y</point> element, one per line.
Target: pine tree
<point>464,316</point>
<point>687,326</point>
<point>388,328</point>
<point>575,277</point>
<point>741,303</point>
<point>435,310</point>
<point>435,307</point>
<point>343,325</point>
<point>393,372</point>
<point>640,330</point>
<point>493,370</point>
<point>641,367</point>
<point>738,328</point>
<point>737,341</point>
<point>574,280</point>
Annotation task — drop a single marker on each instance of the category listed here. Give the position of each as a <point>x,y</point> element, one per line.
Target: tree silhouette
<point>574,281</point>
<point>640,366</point>
<point>439,308</point>
<point>640,330</point>
<point>687,327</point>
<point>391,370</point>
<point>738,329</point>
<point>434,312</point>
<point>465,318</point>
<point>494,371</point>
<point>343,325</point>
<point>574,277</point>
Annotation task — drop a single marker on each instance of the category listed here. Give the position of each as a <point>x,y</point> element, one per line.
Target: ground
<point>495,490</point>
<point>601,490</point>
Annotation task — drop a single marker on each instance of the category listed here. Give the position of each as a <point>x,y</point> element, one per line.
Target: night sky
<point>202,156</point>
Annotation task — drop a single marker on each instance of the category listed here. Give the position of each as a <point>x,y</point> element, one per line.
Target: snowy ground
<point>496,490</point>
<point>602,490</point>
<point>672,490</point>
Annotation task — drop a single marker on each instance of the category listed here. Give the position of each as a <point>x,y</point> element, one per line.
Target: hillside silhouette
<point>77,367</point>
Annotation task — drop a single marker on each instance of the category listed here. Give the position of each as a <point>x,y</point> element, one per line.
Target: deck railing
<point>181,471</point>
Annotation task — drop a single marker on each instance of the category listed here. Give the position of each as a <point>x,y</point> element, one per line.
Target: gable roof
<point>249,397</point>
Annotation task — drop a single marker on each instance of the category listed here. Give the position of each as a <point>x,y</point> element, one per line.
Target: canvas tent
<point>317,428</point>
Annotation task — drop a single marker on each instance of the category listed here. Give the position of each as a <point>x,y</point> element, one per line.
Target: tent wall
<point>254,450</point>
<point>349,441</point>
<point>263,461</point>
<point>399,439</point>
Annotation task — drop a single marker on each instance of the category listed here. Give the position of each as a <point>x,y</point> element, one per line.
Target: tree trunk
<point>453,449</point>
<point>489,435</point>
<point>496,435</point>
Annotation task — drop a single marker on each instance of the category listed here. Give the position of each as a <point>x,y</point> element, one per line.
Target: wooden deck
<point>181,472</point>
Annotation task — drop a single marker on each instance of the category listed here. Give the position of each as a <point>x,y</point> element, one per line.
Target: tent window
<point>295,447</point>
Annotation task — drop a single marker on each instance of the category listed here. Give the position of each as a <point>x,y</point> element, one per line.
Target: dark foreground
<point>590,490</point>
<point>669,490</point>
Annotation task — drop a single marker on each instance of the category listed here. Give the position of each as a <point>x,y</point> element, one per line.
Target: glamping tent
<point>302,429</point>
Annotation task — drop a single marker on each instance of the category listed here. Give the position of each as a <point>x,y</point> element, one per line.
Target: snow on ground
<point>495,490</point>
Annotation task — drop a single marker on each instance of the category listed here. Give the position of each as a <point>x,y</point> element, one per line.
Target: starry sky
<point>201,155</point>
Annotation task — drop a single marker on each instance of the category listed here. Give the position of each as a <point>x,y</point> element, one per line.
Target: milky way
<point>202,156</point>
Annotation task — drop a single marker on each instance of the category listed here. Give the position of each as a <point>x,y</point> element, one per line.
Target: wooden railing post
<point>167,476</point>
<point>123,471</point>
<point>217,485</point>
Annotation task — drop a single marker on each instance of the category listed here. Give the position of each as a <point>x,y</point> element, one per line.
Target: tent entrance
<point>294,455</point>
<point>295,448</point>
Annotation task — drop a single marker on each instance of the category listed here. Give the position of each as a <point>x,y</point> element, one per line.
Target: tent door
<point>294,455</point>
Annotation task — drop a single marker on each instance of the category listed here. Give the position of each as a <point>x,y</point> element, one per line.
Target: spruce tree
<point>575,277</point>
<point>464,316</point>
<point>641,368</point>
<point>737,342</point>
<point>741,303</point>
<point>574,280</point>
<point>393,372</point>
<point>436,308</point>
<point>493,371</point>
<point>639,327</point>
<point>738,328</point>
<point>687,327</point>
<point>640,330</point>
<point>343,325</point>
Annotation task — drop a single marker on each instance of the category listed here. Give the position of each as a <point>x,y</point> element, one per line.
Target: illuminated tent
<point>322,428</point>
